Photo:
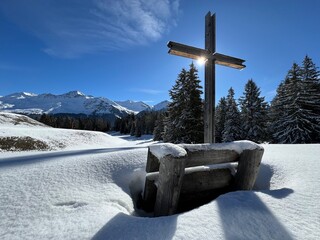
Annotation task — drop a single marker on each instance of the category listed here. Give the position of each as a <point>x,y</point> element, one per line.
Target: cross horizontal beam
<point>196,53</point>
<point>228,61</point>
<point>183,50</point>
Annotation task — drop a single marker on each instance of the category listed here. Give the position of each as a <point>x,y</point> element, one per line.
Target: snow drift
<point>84,190</point>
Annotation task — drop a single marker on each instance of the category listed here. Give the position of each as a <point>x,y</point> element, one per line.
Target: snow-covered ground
<point>81,189</point>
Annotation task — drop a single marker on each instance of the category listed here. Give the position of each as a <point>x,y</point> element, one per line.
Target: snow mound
<point>17,120</point>
<point>19,128</point>
<point>87,191</point>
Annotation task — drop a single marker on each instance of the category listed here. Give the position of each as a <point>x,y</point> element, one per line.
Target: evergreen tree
<point>220,117</point>
<point>192,113</point>
<point>159,127</point>
<point>150,120</point>
<point>133,128</point>
<point>232,126</point>
<point>139,127</point>
<point>173,128</point>
<point>291,122</point>
<point>310,94</point>
<point>185,112</point>
<point>253,113</point>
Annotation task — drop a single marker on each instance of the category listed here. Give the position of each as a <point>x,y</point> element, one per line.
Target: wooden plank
<point>197,158</point>
<point>206,180</point>
<point>150,190</point>
<point>152,163</point>
<point>154,176</point>
<point>149,195</point>
<point>248,168</point>
<point>171,174</point>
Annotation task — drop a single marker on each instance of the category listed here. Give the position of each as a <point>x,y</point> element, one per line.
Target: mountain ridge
<point>73,102</point>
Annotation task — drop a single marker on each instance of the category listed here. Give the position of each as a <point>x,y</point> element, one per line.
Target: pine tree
<point>220,117</point>
<point>173,128</point>
<point>291,121</point>
<point>192,113</point>
<point>159,127</point>
<point>232,126</point>
<point>253,113</point>
<point>139,127</point>
<point>185,112</point>
<point>310,94</point>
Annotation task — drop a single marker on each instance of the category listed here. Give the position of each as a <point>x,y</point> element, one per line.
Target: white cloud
<point>73,28</point>
<point>148,91</point>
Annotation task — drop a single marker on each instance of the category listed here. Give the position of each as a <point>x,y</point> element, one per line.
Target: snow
<point>237,146</point>
<point>55,138</point>
<point>85,189</point>
<point>164,149</point>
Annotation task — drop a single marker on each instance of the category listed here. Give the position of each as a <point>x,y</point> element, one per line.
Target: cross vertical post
<point>209,90</point>
<point>213,58</point>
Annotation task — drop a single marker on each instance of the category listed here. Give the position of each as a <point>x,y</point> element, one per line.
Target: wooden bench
<point>196,170</point>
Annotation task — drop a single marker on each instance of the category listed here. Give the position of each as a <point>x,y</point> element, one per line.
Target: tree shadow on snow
<point>245,216</point>
<point>39,157</point>
<point>127,227</point>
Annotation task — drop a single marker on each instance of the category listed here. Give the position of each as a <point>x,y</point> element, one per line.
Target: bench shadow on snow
<point>245,216</point>
<point>123,226</point>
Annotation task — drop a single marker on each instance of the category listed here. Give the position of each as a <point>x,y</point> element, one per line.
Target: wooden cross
<point>212,58</point>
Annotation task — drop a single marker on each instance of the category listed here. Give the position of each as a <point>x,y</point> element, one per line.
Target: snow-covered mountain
<point>139,106</point>
<point>136,106</point>
<point>160,106</point>
<point>73,102</point>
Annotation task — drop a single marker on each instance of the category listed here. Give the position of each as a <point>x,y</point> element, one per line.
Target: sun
<point>201,61</point>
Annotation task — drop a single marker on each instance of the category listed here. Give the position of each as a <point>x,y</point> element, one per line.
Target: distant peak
<point>136,106</point>
<point>74,94</point>
<point>29,94</point>
<point>21,95</point>
<point>162,105</point>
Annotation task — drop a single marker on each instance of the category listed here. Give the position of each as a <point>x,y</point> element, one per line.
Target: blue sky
<point>117,49</point>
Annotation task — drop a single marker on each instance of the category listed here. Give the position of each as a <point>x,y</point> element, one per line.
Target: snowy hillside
<point>85,189</point>
<point>16,120</point>
<point>73,102</point>
<point>21,132</point>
